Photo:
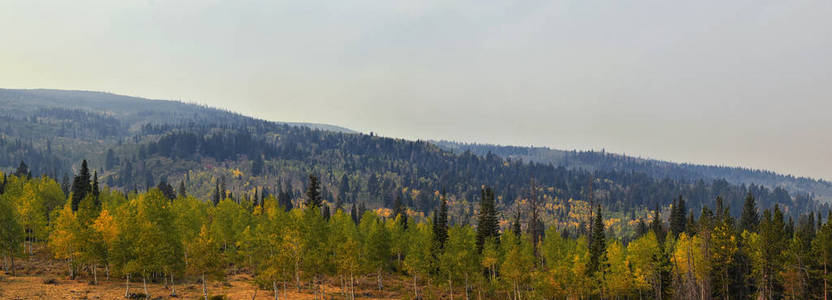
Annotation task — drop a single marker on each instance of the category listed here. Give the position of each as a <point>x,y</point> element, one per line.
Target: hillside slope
<point>136,144</point>
<point>594,160</point>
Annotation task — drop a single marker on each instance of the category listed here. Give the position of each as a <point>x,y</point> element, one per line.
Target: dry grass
<point>40,277</point>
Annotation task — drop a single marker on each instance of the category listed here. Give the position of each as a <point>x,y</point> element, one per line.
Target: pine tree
<point>657,226</point>
<point>343,188</point>
<point>488,223</point>
<point>822,246</point>
<point>326,213</point>
<point>181,191</point>
<point>3,184</point>
<point>677,217</point>
<point>257,165</point>
<point>400,211</point>
<point>95,190</point>
<point>22,170</point>
<point>313,192</point>
<point>284,200</point>
<point>598,246</point>
<point>166,189</point>
<point>440,224</point>
<point>81,185</point>
<point>750,218</point>
<point>110,161</point>
<point>354,214</point>
<point>217,197</point>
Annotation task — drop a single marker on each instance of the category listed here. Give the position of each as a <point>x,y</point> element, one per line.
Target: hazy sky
<point>718,82</point>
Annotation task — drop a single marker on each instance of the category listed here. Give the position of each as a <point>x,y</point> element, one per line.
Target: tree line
<point>173,237</point>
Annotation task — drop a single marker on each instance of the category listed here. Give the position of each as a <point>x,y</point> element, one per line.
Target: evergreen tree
<point>110,160</point>
<point>677,217</point>
<point>3,184</point>
<point>284,200</point>
<point>81,185</point>
<point>313,192</point>
<point>598,246</point>
<point>657,227</point>
<point>257,165</point>
<point>440,224</point>
<point>217,197</point>
<point>400,211</point>
<point>22,170</point>
<point>95,190</point>
<point>343,188</point>
<point>326,213</point>
<point>354,214</point>
<point>166,189</point>
<point>65,184</point>
<point>641,228</point>
<point>181,190</point>
<point>750,218</point>
<point>488,224</point>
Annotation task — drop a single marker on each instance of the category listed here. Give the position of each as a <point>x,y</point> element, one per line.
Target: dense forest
<point>132,146</point>
<point>167,235</point>
<point>602,160</point>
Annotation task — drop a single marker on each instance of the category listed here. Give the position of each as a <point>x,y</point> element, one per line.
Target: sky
<point>736,83</point>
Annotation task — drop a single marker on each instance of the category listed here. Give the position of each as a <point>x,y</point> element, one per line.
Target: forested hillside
<point>133,144</point>
<point>601,160</point>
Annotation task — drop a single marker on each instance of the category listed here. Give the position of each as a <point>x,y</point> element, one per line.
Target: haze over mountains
<point>134,143</point>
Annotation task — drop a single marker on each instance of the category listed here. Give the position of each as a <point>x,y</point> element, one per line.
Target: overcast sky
<point>739,83</point>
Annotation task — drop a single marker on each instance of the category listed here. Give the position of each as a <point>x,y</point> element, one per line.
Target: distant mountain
<point>132,110</point>
<point>135,144</point>
<point>595,160</point>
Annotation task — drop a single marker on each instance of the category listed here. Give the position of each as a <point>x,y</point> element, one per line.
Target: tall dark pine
<point>313,192</point>
<point>535,225</point>
<point>284,200</point>
<point>487,223</point>
<point>110,161</point>
<point>399,210</point>
<point>440,224</point>
<point>22,170</point>
<point>598,246</point>
<point>95,190</point>
<point>181,191</point>
<point>326,213</point>
<point>677,217</point>
<point>354,213</point>
<point>343,188</point>
<point>257,165</point>
<point>750,218</point>
<point>81,185</point>
<point>217,196</point>
<point>65,184</point>
<point>515,225</point>
<point>3,184</point>
<point>657,227</point>
<point>166,189</point>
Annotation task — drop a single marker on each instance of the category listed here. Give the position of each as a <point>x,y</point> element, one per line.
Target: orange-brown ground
<point>42,278</point>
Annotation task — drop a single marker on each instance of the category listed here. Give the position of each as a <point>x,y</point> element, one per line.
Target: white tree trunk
<point>204,289</point>
<point>172,286</point>
<point>144,281</point>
